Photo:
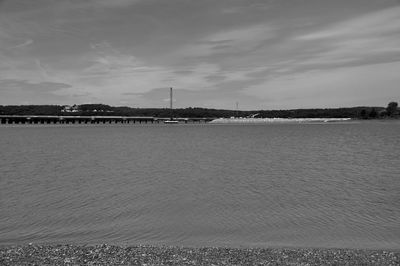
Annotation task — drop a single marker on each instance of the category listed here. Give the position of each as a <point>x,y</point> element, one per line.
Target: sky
<point>261,54</point>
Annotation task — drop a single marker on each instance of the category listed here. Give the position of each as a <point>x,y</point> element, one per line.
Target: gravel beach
<point>151,255</point>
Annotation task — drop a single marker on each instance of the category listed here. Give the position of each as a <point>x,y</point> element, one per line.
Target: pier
<point>50,119</point>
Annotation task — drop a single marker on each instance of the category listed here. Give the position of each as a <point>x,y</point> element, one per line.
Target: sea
<point>323,185</point>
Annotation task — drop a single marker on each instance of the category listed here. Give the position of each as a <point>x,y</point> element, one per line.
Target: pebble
<point>33,254</point>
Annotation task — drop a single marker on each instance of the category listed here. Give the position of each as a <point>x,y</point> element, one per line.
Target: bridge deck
<point>54,119</point>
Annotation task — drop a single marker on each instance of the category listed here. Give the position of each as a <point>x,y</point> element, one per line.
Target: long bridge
<point>54,119</point>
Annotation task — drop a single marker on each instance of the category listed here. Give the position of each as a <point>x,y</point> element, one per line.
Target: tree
<point>391,109</point>
<point>363,114</point>
<point>373,113</point>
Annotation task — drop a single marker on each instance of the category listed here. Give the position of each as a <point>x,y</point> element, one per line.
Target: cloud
<point>227,50</point>
<point>250,6</point>
<point>368,39</point>
<point>378,23</point>
<point>349,86</point>
<point>239,40</point>
<point>14,91</point>
<point>26,43</point>
<point>11,84</point>
<point>113,3</point>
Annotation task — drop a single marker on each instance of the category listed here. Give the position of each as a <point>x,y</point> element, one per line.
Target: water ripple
<point>326,185</point>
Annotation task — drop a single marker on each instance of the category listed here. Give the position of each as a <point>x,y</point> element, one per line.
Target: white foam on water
<point>275,120</point>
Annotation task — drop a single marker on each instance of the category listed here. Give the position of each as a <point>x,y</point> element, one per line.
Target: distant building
<point>70,109</point>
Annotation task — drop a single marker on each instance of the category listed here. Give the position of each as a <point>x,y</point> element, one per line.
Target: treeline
<point>31,109</point>
<point>106,110</point>
<point>352,112</point>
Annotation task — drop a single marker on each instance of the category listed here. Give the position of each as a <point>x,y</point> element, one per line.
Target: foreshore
<point>33,254</point>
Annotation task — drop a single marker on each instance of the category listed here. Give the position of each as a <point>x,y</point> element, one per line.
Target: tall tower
<point>170,102</point>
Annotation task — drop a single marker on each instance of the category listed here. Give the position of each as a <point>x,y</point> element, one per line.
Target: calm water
<point>302,185</point>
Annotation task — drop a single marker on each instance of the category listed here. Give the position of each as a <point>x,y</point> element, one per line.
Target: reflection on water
<point>318,185</point>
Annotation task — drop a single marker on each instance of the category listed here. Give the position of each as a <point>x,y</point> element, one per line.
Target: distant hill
<point>362,112</point>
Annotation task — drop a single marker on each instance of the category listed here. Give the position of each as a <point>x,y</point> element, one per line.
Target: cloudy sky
<point>264,54</point>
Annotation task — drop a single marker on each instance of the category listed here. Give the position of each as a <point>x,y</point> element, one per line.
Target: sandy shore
<point>149,255</point>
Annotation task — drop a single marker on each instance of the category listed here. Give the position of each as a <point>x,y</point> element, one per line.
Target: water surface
<point>301,185</point>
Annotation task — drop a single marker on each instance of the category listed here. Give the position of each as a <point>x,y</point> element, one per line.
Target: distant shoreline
<point>359,112</point>
<point>164,255</point>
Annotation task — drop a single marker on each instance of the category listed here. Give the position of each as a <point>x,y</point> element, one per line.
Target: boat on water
<point>171,120</point>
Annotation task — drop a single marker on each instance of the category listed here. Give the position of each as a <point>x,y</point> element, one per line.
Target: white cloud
<point>378,23</point>
<point>26,43</point>
<point>235,40</point>
<point>368,39</point>
<point>253,33</point>
<point>114,3</point>
<point>347,86</point>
